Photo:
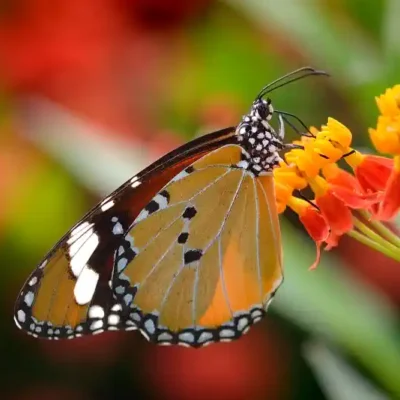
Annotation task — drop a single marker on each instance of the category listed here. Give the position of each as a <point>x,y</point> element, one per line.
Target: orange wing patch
<point>54,299</point>
<point>206,270</point>
<point>270,246</point>
<point>251,254</point>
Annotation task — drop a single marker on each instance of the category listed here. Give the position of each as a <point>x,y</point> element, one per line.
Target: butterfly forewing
<point>202,259</point>
<point>69,293</point>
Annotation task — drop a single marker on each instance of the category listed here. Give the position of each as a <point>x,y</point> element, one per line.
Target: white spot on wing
<point>149,326</point>
<point>79,229</point>
<point>226,333</point>
<point>77,242</point>
<point>135,316</point>
<point>142,215</point>
<point>181,175</point>
<point>161,201</point>
<point>122,264</point>
<point>96,312</point>
<point>81,254</point>
<point>165,336</point>
<point>256,313</point>
<point>117,229</point>
<point>187,337</point>
<point>33,281</point>
<point>107,206</point>
<point>135,184</point>
<point>85,285</point>
<point>96,325</point>
<point>21,316</point>
<point>205,337</point>
<point>242,323</point>
<point>28,299</point>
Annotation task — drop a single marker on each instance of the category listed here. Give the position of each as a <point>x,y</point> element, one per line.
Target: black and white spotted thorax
<point>260,142</point>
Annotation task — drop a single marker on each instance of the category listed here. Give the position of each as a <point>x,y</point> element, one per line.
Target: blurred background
<point>92,91</point>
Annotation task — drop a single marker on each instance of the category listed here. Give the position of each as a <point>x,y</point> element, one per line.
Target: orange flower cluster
<point>374,185</point>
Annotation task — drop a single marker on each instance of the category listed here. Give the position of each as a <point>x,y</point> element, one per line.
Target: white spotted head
<point>260,142</point>
<point>262,110</point>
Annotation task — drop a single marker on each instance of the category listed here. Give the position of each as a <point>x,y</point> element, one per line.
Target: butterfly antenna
<point>289,78</point>
<point>302,196</point>
<point>286,114</point>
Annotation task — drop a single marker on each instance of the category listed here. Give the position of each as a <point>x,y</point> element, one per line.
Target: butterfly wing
<point>203,259</point>
<point>69,293</point>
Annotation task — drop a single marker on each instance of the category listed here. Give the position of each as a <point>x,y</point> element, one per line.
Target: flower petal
<point>356,200</point>
<point>373,173</point>
<point>315,224</point>
<point>388,103</point>
<point>332,241</point>
<point>391,202</point>
<point>314,265</point>
<point>386,136</point>
<point>337,176</point>
<point>336,213</point>
<point>345,186</point>
<point>318,229</point>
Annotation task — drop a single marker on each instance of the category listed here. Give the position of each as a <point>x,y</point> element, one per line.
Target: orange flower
<point>372,172</point>
<point>333,208</point>
<point>287,180</point>
<point>347,188</point>
<point>389,102</point>
<point>386,136</point>
<point>391,201</point>
<point>314,223</point>
<point>386,139</point>
<point>373,188</point>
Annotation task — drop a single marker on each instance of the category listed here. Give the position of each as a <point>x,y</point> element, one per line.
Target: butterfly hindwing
<point>202,259</point>
<point>69,293</point>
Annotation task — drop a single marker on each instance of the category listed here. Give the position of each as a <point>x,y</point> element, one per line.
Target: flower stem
<point>381,229</point>
<point>374,245</point>
<point>377,239</point>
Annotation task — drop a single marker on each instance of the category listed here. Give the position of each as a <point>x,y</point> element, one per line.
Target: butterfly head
<point>260,142</point>
<point>262,110</point>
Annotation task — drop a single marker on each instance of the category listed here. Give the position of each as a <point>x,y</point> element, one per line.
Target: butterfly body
<point>188,251</point>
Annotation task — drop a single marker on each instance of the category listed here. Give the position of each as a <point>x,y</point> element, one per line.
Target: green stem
<point>374,245</point>
<point>368,232</point>
<point>382,229</point>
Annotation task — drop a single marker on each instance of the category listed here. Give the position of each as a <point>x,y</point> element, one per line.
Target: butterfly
<point>188,251</point>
